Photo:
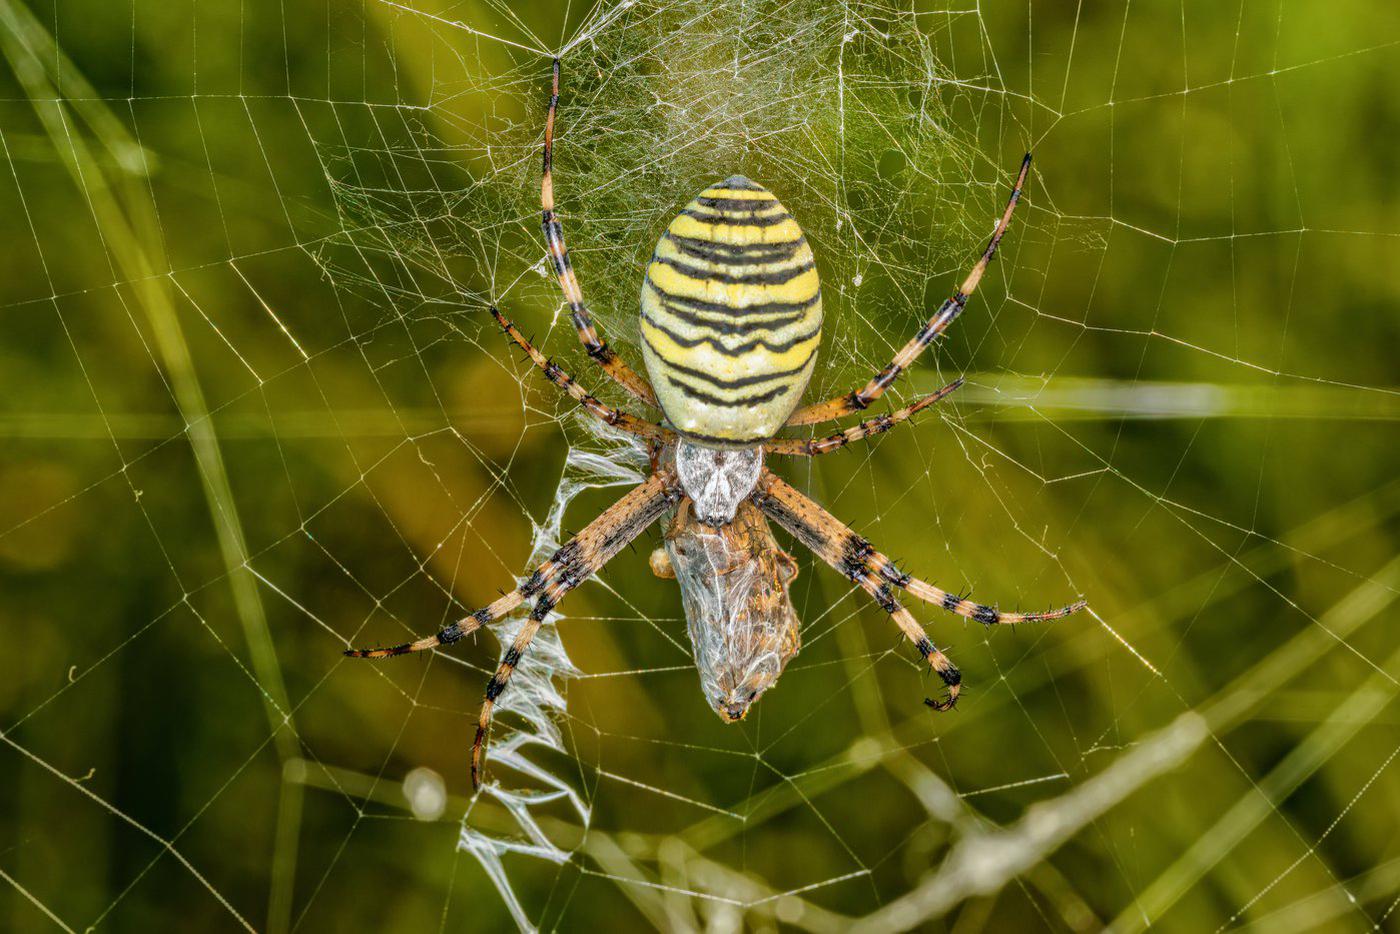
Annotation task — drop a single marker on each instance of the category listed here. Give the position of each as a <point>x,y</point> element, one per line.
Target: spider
<point>731,318</point>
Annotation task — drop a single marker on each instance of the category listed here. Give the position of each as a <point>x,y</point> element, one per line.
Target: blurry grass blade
<point>124,216</point>
<point>1013,397</point>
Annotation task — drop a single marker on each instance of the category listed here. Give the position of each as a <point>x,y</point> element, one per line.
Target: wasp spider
<point>731,317</point>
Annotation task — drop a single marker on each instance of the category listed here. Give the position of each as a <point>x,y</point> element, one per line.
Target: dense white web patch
<point>891,132</point>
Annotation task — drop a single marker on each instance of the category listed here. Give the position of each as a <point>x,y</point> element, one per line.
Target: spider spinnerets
<point>731,319</point>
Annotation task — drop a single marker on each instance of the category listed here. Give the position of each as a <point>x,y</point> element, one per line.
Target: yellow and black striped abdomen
<point>731,315</point>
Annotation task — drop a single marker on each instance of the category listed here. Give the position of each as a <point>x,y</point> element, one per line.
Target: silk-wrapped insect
<point>734,582</point>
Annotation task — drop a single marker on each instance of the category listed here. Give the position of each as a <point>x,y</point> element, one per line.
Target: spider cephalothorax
<point>731,320</point>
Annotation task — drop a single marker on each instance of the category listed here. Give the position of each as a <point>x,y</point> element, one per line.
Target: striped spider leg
<point>556,375</point>
<point>947,313</point>
<point>867,428</point>
<point>853,556</point>
<point>580,558</point>
<point>597,348</point>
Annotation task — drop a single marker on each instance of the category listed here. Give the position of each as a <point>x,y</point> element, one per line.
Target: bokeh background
<point>252,411</point>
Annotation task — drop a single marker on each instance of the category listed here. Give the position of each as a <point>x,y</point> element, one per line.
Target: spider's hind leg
<point>836,544</point>
<point>940,663</point>
<point>456,631</point>
<point>576,561</point>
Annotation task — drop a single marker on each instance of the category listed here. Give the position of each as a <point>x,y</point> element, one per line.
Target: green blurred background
<point>252,411</point>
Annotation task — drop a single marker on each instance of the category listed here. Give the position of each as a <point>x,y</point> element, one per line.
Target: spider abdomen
<point>731,315</point>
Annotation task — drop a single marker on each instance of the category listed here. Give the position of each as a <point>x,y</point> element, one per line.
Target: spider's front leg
<point>597,348</point>
<point>946,314</point>
<point>839,546</point>
<point>576,561</point>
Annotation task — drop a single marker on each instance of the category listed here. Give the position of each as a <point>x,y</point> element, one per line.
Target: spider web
<point>256,413</point>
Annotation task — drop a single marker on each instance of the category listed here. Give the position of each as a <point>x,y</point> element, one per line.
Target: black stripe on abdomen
<point>730,325</point>
<point>760,337</point>
<point>734,311</point>
<point>769,277</point>
<point>734,254</point>
<point>741,382</point>
<point>700,395</point>
<point>732,220</point>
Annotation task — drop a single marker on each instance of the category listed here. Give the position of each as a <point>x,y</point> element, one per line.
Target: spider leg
<point>556,375</point>
<point>947,312</point>
<point>839,546</point>
<point>574,562</point>
<point>456,631</point>
<point>823,533</point>
<point>597,348</point>
<point>941,664</point>
<point>874,426</point>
